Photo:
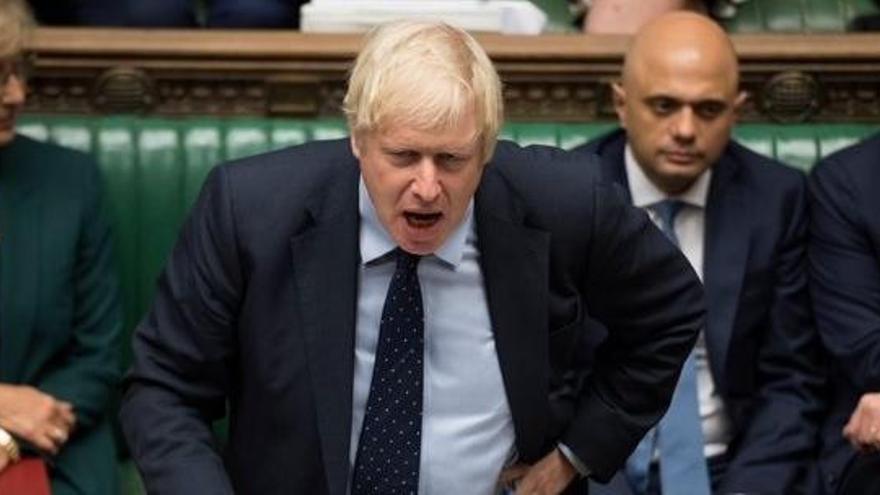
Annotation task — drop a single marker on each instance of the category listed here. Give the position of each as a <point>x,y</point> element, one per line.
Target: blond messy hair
<point>16,24</point>
<point>425,75</point>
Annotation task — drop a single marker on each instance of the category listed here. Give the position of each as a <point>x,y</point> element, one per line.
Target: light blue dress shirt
<point>467,428</point>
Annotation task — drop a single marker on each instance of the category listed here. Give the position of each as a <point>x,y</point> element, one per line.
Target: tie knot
<point>407,262</point>
<point>666,211</point>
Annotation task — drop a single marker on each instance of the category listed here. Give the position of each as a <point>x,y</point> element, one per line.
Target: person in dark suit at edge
<point>389,313</point>
<point>753,393</point>
<point>845,283</point>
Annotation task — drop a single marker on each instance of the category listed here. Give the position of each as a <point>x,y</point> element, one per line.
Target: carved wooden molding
<point>558,78</point>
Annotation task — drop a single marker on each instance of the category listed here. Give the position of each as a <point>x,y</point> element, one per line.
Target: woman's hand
<point>5,461</point>
<point>36,417</point>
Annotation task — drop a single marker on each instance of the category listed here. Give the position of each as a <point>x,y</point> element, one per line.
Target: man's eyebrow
<point>710,100</point>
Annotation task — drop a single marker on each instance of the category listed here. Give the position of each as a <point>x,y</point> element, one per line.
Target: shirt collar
<point>645,193</point>
<point>376,242</point>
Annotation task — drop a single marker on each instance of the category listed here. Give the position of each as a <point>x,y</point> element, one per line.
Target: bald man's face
<point>678,109</point>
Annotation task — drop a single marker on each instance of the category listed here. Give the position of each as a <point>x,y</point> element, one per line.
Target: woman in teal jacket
<point>59,306</point>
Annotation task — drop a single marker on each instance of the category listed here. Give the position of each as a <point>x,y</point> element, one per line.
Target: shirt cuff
<point>582,469</point>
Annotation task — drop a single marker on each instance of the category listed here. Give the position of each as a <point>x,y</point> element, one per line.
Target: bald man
<point>751,383</point>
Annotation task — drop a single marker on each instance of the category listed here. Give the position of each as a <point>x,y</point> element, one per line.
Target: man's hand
<point>863,428</point>
<point>36,417</point>
<point>549,476</point>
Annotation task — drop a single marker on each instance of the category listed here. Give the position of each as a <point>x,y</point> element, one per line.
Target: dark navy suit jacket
<point>760,339</point>
<point>845,272</point>
<point>257,307</point>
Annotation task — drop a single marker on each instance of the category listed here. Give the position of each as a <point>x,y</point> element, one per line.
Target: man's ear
<point>618,96</point>
<point>740,102</point>
<point>355,149</point>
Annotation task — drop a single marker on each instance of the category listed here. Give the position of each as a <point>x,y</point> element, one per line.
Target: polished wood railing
<point>553,78</point>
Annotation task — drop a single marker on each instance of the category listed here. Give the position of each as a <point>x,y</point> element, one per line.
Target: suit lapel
<point>726,244</point>
<point>514,260</point>
<point>726,252</point>
<point>20,212</point>
<point>611,153</point>
<point>325,268</point>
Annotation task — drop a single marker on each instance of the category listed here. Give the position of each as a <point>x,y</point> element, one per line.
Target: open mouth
<point>422,220</point>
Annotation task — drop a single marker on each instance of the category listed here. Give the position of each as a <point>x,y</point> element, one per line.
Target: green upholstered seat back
<point>800,16</point>
<point>154,168</point>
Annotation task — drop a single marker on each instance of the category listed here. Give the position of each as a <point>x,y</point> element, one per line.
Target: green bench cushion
<point>155,167</point>
<point>796,16</point>
<point>754,16</point>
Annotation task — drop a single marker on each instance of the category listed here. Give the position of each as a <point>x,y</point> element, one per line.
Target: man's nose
<point>13,92</point>
<point>684,125</point>
<point>426,185</point>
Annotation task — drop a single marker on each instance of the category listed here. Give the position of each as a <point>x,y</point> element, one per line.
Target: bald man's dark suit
<point>257,305</point>
<point>761,344</point>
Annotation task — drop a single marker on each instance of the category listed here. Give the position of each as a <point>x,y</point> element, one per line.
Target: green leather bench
<point>155,167</point>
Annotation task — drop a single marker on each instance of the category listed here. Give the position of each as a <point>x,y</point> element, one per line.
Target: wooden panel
<point>553,78</point>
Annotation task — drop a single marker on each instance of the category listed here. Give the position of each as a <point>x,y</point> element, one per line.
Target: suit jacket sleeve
<point>89,369</point>
<point>183,353</point>
<point>774,453</point>
<point>845,273</point>
<point>645,293</point>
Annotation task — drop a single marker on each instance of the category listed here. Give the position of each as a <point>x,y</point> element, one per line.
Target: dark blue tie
<point>387,460</point>
<point>679,435</point>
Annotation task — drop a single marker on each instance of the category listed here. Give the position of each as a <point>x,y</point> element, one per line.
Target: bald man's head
<point>678,97</point>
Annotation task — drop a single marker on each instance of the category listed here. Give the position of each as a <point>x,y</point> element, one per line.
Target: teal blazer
<point>60,316</point>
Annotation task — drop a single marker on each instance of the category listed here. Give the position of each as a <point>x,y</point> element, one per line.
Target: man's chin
<point>677,179</point>
<point>421,245</point>
<point>6,136</point>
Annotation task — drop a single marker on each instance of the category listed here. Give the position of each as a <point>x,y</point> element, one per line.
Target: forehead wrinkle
<point>431,140</point>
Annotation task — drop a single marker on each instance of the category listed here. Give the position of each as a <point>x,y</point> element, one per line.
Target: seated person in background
<point>845,283</point>
<point>170,13</point>
<point>88,13</point>
<point>59,309</point>
<point>388,313</point>
<point>750,389</point>
<point>627,16</point>
<point>867,22</point>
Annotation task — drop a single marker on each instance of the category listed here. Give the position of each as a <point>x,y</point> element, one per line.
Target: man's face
<point>12,94</point>
<point>678,115</point>
<point>421,181</point>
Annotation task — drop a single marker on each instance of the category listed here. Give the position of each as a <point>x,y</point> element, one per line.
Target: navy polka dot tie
<point>388,452</point>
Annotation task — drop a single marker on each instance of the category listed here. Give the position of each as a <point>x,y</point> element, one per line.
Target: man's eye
<point>709,110</point>
<point>403,156</point>
<point>663,106</point>
<point>449,160</point>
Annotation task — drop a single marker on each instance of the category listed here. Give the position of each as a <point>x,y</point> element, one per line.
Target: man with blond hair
<point>392,313</point>
<point>745,414</point>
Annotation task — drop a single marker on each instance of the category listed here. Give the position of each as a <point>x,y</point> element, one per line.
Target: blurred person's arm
<point>89,369</point>
<point>627,16</point>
